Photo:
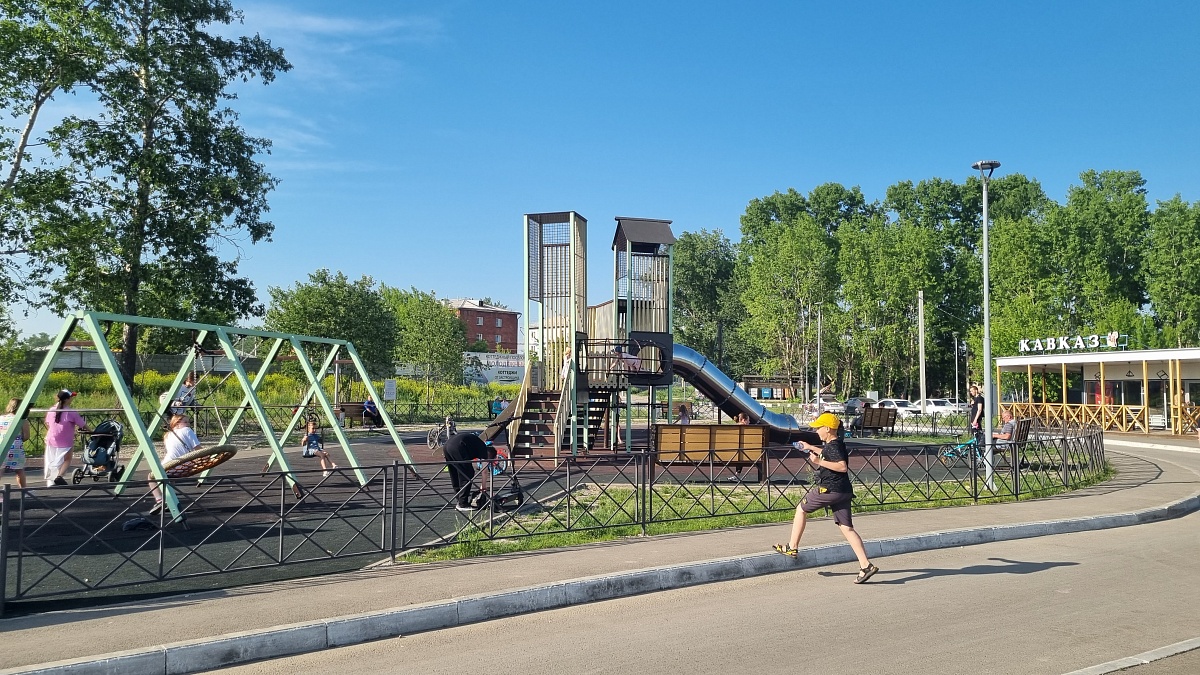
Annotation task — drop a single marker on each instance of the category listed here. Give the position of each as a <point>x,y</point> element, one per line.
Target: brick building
<point>495,325</point>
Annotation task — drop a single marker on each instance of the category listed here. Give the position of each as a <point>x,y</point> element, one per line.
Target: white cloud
<point>282,20</point>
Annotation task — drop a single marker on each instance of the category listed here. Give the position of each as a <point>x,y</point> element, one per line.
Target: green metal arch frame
<point>91,322</point>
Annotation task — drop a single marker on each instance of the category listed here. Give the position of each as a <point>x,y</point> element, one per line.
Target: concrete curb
<point>234,648</point>
<point>1140,659</point>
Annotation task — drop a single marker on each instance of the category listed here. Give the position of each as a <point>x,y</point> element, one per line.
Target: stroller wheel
<point>116,474</point>
<point>77,477</point>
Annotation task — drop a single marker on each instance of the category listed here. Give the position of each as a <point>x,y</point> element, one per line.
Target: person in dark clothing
<point>831,490</point>
<point>975,416</point>
<point>461,452</point>
<point>371,412</point>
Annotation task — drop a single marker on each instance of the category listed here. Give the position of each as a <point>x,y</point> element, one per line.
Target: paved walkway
<point>1148,478</point>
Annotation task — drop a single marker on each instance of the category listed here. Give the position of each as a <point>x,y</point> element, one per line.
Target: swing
<point>199,461</point>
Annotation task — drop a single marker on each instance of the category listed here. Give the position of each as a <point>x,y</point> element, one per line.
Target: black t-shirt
<point>976,410</point>
<point>466,446</point>
<point>835,481</point>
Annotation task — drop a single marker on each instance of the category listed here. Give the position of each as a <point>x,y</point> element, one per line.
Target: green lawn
<point>595,515</point>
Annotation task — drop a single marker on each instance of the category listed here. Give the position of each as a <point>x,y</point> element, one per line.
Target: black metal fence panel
<point>88,539</point>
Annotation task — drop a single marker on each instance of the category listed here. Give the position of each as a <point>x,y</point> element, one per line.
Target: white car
<point>957,405</point>
<point>936,406</point>
<point>828,403</point>
<point>903,407</point>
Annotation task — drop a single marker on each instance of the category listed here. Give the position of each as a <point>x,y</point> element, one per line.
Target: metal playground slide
<point>732,399</point>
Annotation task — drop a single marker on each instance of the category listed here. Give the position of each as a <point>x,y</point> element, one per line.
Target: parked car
<point>959,406</point>
<point>828,403</point>
<point>854,406</point>
<point>903,407</point>
<point>936,406</point>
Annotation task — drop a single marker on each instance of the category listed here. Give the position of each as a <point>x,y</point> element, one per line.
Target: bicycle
<point>950,456</point>
<point>438,435</point>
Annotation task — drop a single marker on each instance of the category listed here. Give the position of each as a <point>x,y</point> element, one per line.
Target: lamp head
<point>988,165</point>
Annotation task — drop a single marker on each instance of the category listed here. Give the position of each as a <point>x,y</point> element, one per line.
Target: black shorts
<point>838,502</point>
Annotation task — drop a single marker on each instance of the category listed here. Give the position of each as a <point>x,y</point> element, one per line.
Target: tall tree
<point>791,272</point>
<point>47,48</point>
<point>429,335</point>
<point>166,172</point>
<point>1172,270</point>
<point>1101,234</point>
<point>708,309</point>
<point>330,305</point>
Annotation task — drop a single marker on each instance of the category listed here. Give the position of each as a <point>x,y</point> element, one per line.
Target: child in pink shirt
<point>61,423</point>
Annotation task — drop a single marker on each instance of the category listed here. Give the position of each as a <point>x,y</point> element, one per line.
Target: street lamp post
<point>957,400</point>
<point>985,168</point>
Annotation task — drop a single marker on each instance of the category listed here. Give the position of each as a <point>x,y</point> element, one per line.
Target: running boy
<point>832,490</point>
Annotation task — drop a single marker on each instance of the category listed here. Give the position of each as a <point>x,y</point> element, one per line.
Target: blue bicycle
<point>953,455</point>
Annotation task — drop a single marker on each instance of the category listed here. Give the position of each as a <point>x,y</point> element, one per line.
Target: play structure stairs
<point>535,436</point>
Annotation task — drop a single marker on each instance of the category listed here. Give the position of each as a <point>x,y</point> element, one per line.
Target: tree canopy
<point>135,205</point>
<point>1101,260</point>
<point>331,305</point>
<point>429,335</point>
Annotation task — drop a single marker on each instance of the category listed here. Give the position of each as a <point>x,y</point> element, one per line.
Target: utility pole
<point>820,382</point>
<point>957,400</point>
<point>921,339</point>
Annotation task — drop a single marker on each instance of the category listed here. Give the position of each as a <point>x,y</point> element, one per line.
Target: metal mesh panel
<point>535,259</point>
<point>642,279</point>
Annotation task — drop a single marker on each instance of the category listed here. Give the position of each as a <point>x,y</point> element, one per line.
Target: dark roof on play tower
<point>643,231</point>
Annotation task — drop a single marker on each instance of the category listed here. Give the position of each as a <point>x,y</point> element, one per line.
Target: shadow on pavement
<point>1007,567</point>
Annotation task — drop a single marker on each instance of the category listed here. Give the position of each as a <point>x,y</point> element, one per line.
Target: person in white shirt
<point>179,440</point>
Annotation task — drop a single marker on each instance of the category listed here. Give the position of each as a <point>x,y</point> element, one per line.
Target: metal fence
<point>209,421</point>
<point>86,541</point>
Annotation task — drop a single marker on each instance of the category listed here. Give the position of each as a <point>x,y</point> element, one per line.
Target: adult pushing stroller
<point>101,454</point>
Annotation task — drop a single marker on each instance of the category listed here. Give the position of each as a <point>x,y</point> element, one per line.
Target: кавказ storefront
<point>1107,385</point>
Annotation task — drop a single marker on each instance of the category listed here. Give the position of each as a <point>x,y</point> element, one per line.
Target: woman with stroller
<point>179,440</point>
<point>14,460</point>
<point>61,423</point>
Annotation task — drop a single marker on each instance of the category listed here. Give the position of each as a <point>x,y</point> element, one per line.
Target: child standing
<point>14,460</point>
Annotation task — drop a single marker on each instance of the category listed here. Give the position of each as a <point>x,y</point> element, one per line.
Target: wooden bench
<point>876,419</point>
<point>723,446</point>
<point>1005,450</point>
<point>353,412</point>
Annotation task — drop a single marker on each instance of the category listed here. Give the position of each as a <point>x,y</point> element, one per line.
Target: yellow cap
<point>827,420</point>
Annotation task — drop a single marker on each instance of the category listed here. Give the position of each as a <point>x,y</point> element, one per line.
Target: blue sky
<point>411,136</point>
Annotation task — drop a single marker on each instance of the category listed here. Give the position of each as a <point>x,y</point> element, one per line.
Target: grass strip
<point>595,515</point>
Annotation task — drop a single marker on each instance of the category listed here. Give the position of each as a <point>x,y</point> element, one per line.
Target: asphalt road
<point>1047,605</point>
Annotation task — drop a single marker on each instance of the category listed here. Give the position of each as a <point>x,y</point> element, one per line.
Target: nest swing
<point>199,461</point>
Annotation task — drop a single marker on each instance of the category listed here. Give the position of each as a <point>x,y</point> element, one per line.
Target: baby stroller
<point>501,487</point>
<point>100,455</point>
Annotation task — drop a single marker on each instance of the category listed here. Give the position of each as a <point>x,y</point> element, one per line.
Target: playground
<point>246,507</point>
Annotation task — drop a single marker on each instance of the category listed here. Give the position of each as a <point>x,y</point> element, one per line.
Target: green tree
<point>791,270</point>
<point>708,308</point>
<point>47,48</point>
<point>332,306</point>
<point>429,335</point>
<point>1101,232</point>
<point>167,175</point>
<point>882,266</point>
<point>1171,270</point>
